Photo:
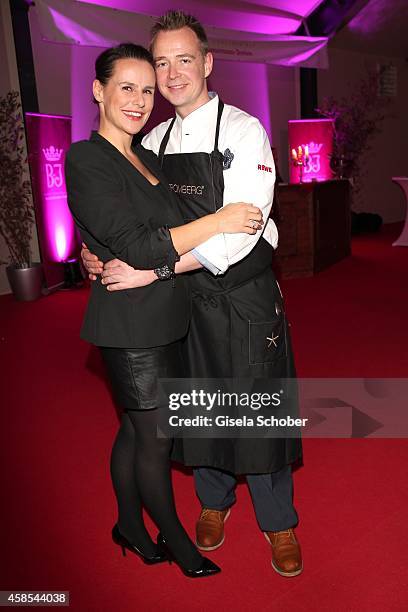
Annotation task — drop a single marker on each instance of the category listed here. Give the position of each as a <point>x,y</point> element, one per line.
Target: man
<point>213,154</point>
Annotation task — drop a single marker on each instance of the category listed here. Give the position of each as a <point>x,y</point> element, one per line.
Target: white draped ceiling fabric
<point>91,25</point>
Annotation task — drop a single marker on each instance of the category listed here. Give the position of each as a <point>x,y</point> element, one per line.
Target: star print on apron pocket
<point>267,339</point>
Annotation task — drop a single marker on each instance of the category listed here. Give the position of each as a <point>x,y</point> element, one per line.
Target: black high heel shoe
<point>207,567</point>
<point>120,540</point>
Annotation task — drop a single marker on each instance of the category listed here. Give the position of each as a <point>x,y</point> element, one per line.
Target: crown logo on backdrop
<point>314,147</point>
<point>52,154</point>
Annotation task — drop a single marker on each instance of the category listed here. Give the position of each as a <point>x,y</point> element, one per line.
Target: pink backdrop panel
<point>48,139</point>
<point>317,134</point>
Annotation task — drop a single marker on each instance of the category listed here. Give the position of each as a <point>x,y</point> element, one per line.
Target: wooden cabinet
<point>314,227</point>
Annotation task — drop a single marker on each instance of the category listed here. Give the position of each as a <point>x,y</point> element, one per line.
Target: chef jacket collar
<point>202,117</point>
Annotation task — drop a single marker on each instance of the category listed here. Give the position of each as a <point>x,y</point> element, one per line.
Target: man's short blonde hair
<point>175,20</point>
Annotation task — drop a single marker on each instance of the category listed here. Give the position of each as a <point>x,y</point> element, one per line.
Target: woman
<point>123,207</point>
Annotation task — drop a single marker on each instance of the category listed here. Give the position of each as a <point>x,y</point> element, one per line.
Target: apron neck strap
<point>166,137</point>
<point>165,140</point>
<point>217,129</point>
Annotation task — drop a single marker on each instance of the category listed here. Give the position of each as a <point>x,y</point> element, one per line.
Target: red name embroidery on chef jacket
<point>265,168</point>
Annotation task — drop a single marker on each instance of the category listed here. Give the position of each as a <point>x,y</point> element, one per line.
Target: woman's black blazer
<point>121,214</point>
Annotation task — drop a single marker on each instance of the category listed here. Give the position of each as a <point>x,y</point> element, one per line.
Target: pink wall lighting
<point>48,138</point>
<point>317,135</point>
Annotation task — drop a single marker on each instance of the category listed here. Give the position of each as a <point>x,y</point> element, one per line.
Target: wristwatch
<point>164,273</point>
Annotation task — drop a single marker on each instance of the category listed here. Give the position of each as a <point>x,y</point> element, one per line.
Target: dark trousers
<point>271,495</point>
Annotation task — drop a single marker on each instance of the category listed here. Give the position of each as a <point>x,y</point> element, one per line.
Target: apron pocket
<point>267,341</point>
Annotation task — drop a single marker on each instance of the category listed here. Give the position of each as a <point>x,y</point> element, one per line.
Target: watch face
<point>164,273</point>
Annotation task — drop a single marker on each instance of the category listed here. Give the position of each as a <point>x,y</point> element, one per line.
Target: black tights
<point>140,469</point>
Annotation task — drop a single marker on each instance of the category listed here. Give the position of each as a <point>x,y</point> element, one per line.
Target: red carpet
<point>351,495</point>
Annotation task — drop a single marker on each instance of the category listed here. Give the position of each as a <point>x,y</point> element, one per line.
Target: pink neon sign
<point>49,137</point>
<point>317,135</point>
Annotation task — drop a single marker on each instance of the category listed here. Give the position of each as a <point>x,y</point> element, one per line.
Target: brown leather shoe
<point>286,554</point>
<point>210,528</point>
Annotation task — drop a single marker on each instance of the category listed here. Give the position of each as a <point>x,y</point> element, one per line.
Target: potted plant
<point>356,121</point>
<point>16,207</point>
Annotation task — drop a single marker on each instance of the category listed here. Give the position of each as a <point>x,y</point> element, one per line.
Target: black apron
<point>233,318</point>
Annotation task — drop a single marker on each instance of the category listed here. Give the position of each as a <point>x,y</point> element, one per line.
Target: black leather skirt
<point>133,373</point>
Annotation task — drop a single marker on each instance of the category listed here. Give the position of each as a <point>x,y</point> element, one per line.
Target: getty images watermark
<point>284,408</point>
<point>230,408</point>
<point>214,401</point>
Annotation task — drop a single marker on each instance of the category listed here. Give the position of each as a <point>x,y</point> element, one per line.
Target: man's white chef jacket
<point>250,178</point>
